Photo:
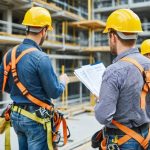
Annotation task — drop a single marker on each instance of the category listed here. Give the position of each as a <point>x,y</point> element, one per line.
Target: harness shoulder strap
<point>145,87</point>
<point>8,67</point>
<point>33,99</point>
<point>21,87</point>
<point>134,62</point>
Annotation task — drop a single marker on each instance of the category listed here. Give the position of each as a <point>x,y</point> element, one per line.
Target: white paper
<point>91,76</point>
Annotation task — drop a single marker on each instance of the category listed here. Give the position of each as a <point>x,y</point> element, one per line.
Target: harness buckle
<point>113,147</point>
<point>25,92</point>
<point>16,80</point>
<point>13,70</point>
<point>43,113</point>
<point>5,73</point>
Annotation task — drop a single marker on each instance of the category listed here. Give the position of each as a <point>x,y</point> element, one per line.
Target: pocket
<point>97,139</point>
<point>35,131</point>
<point>131,145</point>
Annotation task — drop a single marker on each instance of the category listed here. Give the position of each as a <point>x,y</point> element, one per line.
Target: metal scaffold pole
<point>63,95</point>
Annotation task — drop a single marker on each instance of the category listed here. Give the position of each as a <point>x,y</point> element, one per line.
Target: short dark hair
<point>34,30</point>
<point>125,42</point>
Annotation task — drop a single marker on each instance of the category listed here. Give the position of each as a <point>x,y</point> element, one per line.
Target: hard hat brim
<point>105,30</point>
<point>50,28</point>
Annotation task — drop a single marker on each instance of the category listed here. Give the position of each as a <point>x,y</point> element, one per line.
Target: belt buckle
<point>113,147</point>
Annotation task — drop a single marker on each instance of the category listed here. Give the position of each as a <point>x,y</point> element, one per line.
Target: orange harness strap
<point>58,119</point>
<point>8,67</point>
<point>6,71</point>
<point>21,87</point>
<point>131,134</point>
<point>145,86</point>
<point>103,145</point>
<point>133,61</point>
<point>25,92</point>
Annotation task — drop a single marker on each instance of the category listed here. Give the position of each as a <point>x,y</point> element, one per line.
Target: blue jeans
<point>131,144</point>
<point>31,135</point>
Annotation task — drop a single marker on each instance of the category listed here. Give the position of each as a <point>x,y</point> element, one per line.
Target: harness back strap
<point>8,67</point>
<point>33,99</point>
<point>133,61</point>
<point>21,87</point>
<point>145,87</point>
<point>132,134</point>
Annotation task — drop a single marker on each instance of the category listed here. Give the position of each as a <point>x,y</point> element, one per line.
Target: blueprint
<point>91,76</point>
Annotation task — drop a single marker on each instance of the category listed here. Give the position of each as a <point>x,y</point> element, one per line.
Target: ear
<point>115,38</point>
<point>43,32</point>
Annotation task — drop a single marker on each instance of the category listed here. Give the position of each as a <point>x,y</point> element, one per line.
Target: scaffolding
<point>70,45</point>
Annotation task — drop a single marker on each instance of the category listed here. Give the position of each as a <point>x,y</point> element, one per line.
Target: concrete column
<point>9,20</point>
<point>53,32</point>
<point>113,3</point>
<point>80,89</point>
<point>90,37</point>
<point>130,2</point>
<point>145,27</point>
<point>93,38</point>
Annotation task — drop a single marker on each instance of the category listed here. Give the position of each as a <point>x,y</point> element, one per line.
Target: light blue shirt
<point>120,92</point>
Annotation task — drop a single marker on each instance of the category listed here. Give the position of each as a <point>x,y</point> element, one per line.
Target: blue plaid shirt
<point>36,73</point>
<point>120,92</point>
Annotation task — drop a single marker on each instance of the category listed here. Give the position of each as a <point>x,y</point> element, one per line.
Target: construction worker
<point>122,107</point>
<point>145,48</point>
<point>35,72</point>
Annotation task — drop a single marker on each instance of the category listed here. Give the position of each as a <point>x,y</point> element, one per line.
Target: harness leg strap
<point>49,135</point>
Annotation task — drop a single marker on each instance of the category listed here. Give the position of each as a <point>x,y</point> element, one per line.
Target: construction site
<point>77,39</point>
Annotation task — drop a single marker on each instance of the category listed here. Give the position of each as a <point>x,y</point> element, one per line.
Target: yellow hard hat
<point>38,17</point>
<point>123,20</point>
<point>145,47</point>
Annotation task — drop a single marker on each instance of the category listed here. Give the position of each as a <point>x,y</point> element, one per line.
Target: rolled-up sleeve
<point>50,83</point>
<point>109,93</point>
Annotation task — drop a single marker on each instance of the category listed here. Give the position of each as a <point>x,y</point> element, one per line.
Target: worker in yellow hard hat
<point>123,105</point>
<point>32,83</point>
<point>38,19</point>
<point>145,48</point>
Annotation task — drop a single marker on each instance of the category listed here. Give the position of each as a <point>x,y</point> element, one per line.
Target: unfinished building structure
<point>71,43</point>
<point>103,8</point>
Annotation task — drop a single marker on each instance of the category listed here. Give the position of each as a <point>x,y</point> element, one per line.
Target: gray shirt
<point>120,92</point>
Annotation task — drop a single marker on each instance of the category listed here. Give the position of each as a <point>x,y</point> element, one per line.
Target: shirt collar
<point>126,53</point>
<point>31,42</point>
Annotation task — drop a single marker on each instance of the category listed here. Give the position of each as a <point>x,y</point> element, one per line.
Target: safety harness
<point>51,123</point>
<point>129,133</point>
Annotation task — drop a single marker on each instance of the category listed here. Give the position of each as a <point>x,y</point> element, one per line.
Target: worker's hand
<point>97,99</point>
<point>64,78</point>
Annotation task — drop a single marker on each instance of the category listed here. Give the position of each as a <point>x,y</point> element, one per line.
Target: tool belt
<point>113,131</point>
<point>43,116</point>
<point>99,141</point>
<point>5,119</point>
<point>133,133</point>
<point>5,126</point>
<point>46,122</point>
